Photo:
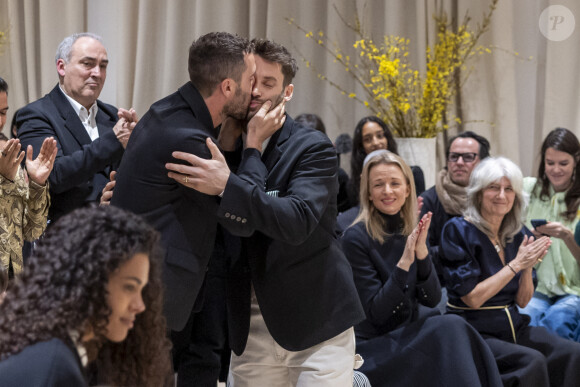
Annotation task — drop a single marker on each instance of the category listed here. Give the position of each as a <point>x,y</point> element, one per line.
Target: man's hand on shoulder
<point>206,176</point>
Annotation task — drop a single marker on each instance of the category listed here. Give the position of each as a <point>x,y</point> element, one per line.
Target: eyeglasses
<point>467,157</point>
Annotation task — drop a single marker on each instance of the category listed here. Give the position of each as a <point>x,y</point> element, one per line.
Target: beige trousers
<point>265,363</point>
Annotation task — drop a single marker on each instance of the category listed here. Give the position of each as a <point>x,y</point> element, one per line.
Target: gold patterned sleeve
<point>36,211</point>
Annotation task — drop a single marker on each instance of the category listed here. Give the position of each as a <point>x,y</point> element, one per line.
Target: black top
<point>390,295</point>
<point>438,219</point>
<point>44,364</point>
<point>468,258</point>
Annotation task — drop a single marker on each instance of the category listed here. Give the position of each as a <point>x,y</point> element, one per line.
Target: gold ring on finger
<point>186,179</point>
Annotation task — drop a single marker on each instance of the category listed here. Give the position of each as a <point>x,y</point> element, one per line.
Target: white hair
<point>64,49</point>
<point>489,171</point>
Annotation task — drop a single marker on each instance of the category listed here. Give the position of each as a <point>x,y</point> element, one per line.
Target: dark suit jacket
<point>44,364</point>
<point>440,217</point>
<point>186,218</point>
<point>285,204</point>
<point>81,167</point>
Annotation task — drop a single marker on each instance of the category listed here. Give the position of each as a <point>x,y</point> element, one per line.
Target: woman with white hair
<point>488,258</point>
<point>394,276</point>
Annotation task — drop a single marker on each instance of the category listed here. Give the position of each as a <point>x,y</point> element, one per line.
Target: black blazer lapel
<point>273,151</point>
<point>72,121</point>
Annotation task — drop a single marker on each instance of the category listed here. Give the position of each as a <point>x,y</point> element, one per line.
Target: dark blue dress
<point>538,358</point>
<point>52,363</point>
<point>403,345</point>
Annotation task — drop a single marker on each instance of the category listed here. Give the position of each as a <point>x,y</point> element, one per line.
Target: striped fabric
<point>360,380</point>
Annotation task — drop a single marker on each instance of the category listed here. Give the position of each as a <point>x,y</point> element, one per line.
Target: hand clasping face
<point>83,77</point>
<point>237,107</point>
<point>269,85</point>
<point>125,299</point>
<point>559,167</point>
<point>388,188</point>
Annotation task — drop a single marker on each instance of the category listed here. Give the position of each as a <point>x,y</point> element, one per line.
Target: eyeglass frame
<point>457,155</point>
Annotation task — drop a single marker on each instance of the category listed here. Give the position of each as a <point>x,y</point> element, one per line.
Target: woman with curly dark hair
<point>92,293</point>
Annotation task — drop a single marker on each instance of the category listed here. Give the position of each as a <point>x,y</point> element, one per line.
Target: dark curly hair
<point>358,154</point>
<point>64,286</point>
<point>562,140</point>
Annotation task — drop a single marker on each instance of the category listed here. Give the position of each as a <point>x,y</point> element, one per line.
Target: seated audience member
<point>393,274</point>
<point>488,258</point>
<point>91,135</point>
<point>24,198</point>
<point>310,120</point>
<point>370,134</point>
<point>555,198</point>
<point>448,197</point>
<point>92,293</point>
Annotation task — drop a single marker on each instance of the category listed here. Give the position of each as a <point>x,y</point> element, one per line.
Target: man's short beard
<point>274,104</point>
<point>235,109</point>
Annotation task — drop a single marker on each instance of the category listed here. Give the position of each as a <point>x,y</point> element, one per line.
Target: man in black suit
<point>291,298</point>
<point>90,138</point>
<point>221,69</point>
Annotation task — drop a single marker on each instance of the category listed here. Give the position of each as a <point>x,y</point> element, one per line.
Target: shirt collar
<point>78,108</point>
<point>81,350</point>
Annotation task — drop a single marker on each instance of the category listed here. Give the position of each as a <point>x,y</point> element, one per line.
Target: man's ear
<point>60,64</point>
<point>228,87</point>
<point>288,92</point>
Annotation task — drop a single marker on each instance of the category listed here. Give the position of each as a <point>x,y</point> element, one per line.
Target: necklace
<point>496,245</point>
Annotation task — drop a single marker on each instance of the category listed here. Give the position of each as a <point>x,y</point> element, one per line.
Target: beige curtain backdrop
<point>511,99</point>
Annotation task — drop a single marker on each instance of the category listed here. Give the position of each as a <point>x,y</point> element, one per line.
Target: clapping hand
<point>124,127</point>
<point>39,169</point>
<point>530,252</point>
<point>10,159</point>
<point>421,245</point>
<point>416,243</point>
<point>107,193</point>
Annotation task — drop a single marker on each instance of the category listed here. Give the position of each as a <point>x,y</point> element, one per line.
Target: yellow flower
<point>412,103</point>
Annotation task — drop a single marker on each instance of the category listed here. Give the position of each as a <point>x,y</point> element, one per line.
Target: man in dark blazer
<point>291,297</point>
<point>90,138</point>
